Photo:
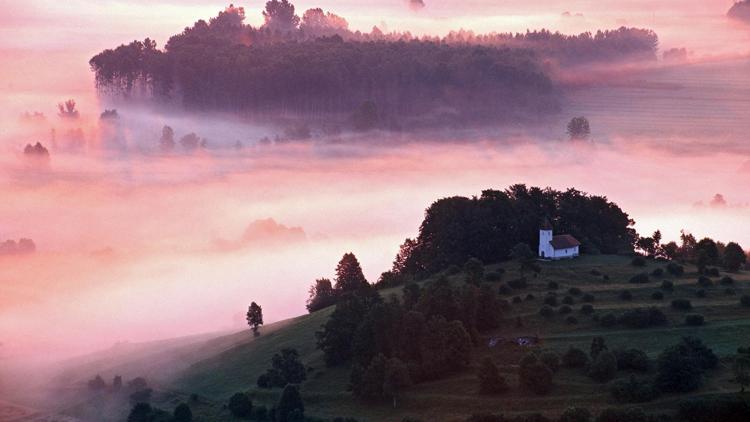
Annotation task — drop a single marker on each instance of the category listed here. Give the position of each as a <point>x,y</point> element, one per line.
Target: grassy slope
<point>237,367</point>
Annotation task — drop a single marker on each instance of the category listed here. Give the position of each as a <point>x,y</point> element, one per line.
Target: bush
<point>713,272</point>
<point>704,281</point>
<point>726,280</point>
<point>632,360</point>
<point>682,304</point>
<point>546,311</point>
<point>588,297</point>
<point>657,272</point>
<point>568,300</point>
<point>633,390</point>
<point>622,415</point>
<point>504,289</point>
<point>550,300</point>
<point>575,414</point>
<point>517,299</point>
<point>626,295</point>
<point>643,318</point>
<point>240,405</point>
<point>700,293</point>
<point>605,277</point>
<point>667,285</point>
<point>639,278</point>
<point>587,309</point>
<point>552,285</point>
<point>535,375</point>
<point>745,300</point>
<point>725,408</point>
<point>680,367</point>
<point>575,291</point>
<point>604,367</point>
<point>519,283</point>
<point>564,310</point>
<point>675,269</point>
<point>529,297</point>
<point>694,320</point>
<point>730,291</point>
<point>551,359</point>
<point>493,276</point>
<point>638,261</point>
<point>575,358</point>
<point>571,320</point>
<point>657,296</point>
<point>608,320</point>
<point>182,413</point>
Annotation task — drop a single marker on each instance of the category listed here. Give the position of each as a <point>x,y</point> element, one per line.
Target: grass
<point>727,327</point>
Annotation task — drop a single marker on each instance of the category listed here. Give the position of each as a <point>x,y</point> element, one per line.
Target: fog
<point>134,244</point>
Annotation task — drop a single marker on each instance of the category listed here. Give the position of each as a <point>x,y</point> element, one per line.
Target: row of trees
<point>349,278</point>
<point>702,253</point>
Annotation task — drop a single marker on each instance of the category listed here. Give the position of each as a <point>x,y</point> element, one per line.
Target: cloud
<point>416,4</point>
<point>718,201</point>
<point>263,233</point>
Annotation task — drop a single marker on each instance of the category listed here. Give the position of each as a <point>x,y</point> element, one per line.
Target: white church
<point>553,247</point>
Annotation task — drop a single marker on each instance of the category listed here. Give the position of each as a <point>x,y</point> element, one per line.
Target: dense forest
<point>488,227</point>
<point>315,64</point>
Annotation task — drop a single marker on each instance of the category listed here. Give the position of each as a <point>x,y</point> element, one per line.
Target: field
<point>242,358</point>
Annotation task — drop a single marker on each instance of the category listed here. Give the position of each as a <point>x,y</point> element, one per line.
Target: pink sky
<point>127,238</point>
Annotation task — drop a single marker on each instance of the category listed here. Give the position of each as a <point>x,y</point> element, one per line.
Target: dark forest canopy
<point>489,226</point>
<point>317,64</point>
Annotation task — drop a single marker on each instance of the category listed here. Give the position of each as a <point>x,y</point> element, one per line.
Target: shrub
<point>517,299</point>
<point>680,367</point>
<point>504,289</point>
<point>704,281</point>
<point>726,408</point>
<point>604,367</point>
<point>694,320</point>
<point>622,415</point>
<point>564,310</point>
<point>605,277</point>
<point>587,309</point>
<point>626,295</point>
<point>639,278</point>
<point>713,272</point>
<point>490,381</point>
<point>529,297</point>
<point>675,269</point>
<point>643,318</point>
<point>608,320</point>
<point>551,359</point>
<point>657,296</point>
<point>571,320</point>
<point>588,297</point>
<point>575,358</point>
<point>633,390</point>
<point>575,414</point>
<point>700,293</point>
<point>745,300</point>
<point>730,291</point>
<point>493,276</point>
<point>632,360</point>
<point>667,285</point>
<point>682,304</point>
<point>726,280</point>
<point>240,405</point>
<point>182,413</point>
<point>575,291</point>
<point>568,300</point>
<point>550,300</point>
<point>546,311</point>
<point>535,375</point>
<point>638,261</point>
<point>552,285</point>
<point>518,284</point>
<point>657,272</point>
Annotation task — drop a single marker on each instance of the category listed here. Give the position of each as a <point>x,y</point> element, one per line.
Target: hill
<point>456,396</point>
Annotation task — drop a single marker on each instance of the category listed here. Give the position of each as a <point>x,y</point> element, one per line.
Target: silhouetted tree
<point>578,128</point>
<point>279,16</point>
<point>254,317</point>
<point>182,413</point>
<point>285,369</point>
<point>97,383</point>
<point>474,270</point>
<point>734,257</point>
<point>349,276</point>
<point>67,110</point>
<point>322,295</point>
<point>240,405</point>
<point>522,253</point>
<point>166,142</point>
<point>117,383</point>
<point>289,404</point>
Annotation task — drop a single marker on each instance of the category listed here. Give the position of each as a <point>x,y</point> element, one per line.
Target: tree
<point>290,405</point>
<point>67,110</point>
<point>578,128</point>
<point>279,16</point>
<point>741,369</point>
<point>534,375</point>
<point>137,383</point>
<point>97,383</point>
<point>490,381</point>
<point>474,270</point>
<point>288,365</point>
<point>604,367</point>
<point>670,250</point>
<point>240,405</point>
<point>734,257</point>
<point>322,295</point>
<point>335,338</point>
<point>166,142</point>
<point>255,317</point>
<point>396,379</point>
<point>707,253</point>
<point>445,347</point>
<point>680,367</point>
<point>522,253</point>
<point>182,413</point>
<point>190,141</point>
<point>141,412</point>
<point>349,276</point>
<point>117,383</point>
<point>597,346</point>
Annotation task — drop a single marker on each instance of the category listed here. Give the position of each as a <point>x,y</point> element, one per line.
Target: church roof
<point>545,225</point>
<point>564,241</point>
